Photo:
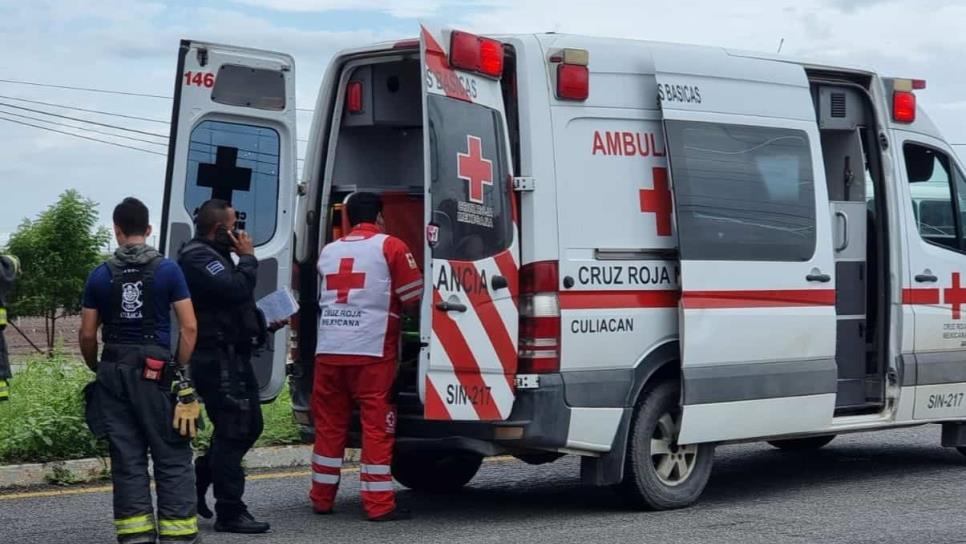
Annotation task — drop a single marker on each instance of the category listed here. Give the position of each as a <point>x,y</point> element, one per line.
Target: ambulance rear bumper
<point>539,421</point>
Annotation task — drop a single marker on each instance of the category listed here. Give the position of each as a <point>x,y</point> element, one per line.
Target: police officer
<point>229,328</point>
<point>141,398</point>
<point>368,279</point>
<point>9,268</point>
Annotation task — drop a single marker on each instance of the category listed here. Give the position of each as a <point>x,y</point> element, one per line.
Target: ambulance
<point>635,251</point>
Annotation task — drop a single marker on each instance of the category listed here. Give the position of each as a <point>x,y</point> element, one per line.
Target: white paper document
<point>278,306</point>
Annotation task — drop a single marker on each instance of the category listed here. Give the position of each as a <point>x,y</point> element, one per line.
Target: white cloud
<point>131,45</point>
<point>397,8</point>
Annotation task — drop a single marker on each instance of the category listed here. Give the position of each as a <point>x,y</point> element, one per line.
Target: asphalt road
<point>893,486</point>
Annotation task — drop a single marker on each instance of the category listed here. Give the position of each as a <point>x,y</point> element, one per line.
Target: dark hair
<point>211,213</point>
<point>131,216</point>
<point>363,208</point>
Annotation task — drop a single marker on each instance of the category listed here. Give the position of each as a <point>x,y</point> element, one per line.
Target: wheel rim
<point>672,463</point>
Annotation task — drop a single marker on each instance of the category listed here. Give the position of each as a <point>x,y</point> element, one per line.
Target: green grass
<point>44,419</point>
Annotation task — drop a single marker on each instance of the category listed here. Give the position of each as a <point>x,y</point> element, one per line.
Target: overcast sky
<point>130,45</point>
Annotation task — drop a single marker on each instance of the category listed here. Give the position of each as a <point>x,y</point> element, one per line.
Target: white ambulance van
<point>636,250</point>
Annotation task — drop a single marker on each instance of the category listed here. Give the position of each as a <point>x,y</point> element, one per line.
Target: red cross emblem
<point>472,167</point>
<point>658,201</point>
<point>345,280</point>
<point>955,295</point>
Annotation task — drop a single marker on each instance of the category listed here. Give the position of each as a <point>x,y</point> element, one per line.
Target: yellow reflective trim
<point>178,527</point>
<point>3,316</point>
<point>134,525</point>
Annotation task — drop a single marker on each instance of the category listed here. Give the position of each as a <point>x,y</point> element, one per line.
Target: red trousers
<point>336,390</point>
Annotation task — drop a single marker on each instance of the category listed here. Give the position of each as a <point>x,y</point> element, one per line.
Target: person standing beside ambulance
<point>9,269</point>
<point>142,400</point>
<point>368,279</point>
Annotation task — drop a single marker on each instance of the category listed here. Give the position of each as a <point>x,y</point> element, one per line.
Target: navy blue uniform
<point>229,327</point>
<point>133,293</point>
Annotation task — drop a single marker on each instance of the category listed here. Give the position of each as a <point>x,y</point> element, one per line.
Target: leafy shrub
<point>44,419</point>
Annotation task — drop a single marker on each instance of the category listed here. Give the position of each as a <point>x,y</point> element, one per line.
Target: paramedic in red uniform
<point>368,279</point>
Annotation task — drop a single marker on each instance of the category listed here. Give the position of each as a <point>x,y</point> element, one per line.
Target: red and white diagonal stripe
<point>475,351</point>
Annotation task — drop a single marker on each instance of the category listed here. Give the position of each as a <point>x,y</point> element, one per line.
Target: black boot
<point>202,483</point>
<point>243,523</point>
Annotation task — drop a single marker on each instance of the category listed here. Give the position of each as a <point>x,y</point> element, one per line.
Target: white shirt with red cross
<point>366,278</point>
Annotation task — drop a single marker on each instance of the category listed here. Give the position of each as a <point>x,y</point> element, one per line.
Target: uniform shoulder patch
<point>411,260</point>
<point>215,267</point>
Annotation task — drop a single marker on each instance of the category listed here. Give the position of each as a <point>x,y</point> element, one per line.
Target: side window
<point>938,192</point>
<point>742,192</point>
<point>469,171</point>
<point>238,163</point>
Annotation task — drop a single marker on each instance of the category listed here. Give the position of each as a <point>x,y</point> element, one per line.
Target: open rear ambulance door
<point>470,318</point>
<point>757,311</point>
<point>233,137</point>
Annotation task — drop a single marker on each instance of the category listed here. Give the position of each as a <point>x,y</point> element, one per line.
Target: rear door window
<point>469,177</point>
<point>238,163</point>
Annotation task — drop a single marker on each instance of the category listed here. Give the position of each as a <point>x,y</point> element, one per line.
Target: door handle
<point>450,306</point>
<point>498,282</point>
<point>926,277</point>
<point>819,277</point>
<point>845,230</point>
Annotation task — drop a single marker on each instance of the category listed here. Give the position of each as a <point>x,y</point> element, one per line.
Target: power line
<point>82,137</point>
<point>93,90</point>
<point>85,89</point>
<point>42,112</point>
<point>94,130</point>
<point>101,112</point>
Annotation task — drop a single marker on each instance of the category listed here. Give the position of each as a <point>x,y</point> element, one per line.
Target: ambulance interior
<point>378,147</point>
<point>848,131</point>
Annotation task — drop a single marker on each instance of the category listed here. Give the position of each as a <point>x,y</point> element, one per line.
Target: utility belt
<point>154,361</point>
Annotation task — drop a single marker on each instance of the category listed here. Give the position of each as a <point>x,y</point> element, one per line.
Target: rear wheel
<point>802,444</point>
<point>660,474</point>
<point>435,472</point>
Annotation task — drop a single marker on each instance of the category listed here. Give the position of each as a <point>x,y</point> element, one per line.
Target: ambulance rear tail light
<point>539,318</point>
<point>353,97</point>
<point>573,76</point>
<point>904,106</point>
<point>473,53</point>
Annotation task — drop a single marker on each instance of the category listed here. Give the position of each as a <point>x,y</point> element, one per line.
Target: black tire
<point>434,472</point>
<point>644,485</point>
<point>810,443</point>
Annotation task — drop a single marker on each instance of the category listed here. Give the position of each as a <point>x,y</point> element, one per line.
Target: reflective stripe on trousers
<point>4,390</point>
<point>375,478</point>
<point>178,527</point>
<point>134,525</point>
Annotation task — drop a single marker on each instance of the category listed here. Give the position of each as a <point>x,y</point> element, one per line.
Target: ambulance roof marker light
<point>473,53</point>
<point>353,98</point>
<point>573,76</point>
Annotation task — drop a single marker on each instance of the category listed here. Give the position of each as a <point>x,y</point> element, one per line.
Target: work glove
<point>187,410</point>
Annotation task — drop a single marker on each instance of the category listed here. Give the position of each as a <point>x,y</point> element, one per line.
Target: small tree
<point>57,251</point>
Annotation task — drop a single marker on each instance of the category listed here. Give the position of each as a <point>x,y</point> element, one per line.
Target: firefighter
<point>9,269</point>
<point>230,327</point>
<point>142,400</point>
<point>368,279</point>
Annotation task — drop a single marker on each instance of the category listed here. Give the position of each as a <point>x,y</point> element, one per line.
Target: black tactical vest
<point>132,293</point>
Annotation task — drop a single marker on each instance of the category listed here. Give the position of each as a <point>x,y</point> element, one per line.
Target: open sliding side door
<point>757,311</point>
<point>470,317</point>
<point>233,137</point>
